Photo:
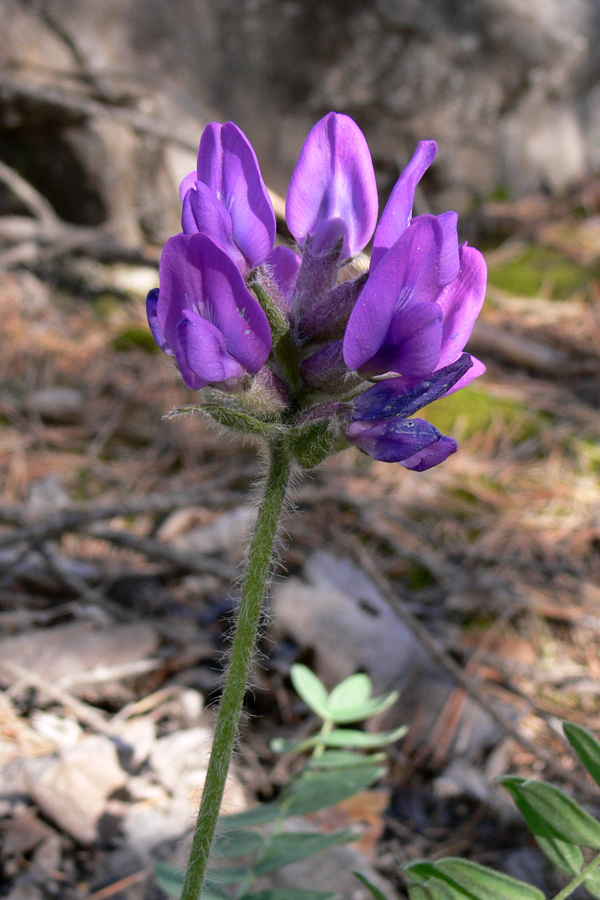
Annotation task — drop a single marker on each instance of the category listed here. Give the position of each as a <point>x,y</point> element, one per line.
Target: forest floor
<point>122,531</point>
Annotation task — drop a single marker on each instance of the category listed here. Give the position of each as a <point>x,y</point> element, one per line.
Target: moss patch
<point>470,411</point>
<point>135,339</point>
<point>542,270</point>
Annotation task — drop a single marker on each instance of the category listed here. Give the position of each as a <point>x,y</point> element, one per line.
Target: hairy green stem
<point>242,651</point>
<point>579,879</point>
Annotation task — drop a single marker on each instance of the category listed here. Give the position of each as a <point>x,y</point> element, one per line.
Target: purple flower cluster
<point>311,325</point>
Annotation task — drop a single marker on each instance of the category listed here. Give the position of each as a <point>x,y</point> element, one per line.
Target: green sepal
<point>284,350</point>
<point>239,420</point>
<point>312,443</point>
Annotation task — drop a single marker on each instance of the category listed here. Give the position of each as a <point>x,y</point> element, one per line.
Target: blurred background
<point>121,530</point>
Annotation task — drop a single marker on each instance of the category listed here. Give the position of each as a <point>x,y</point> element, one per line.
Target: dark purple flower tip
<point>403,397</point>
<point>394,440</point>
<point>229,169</point>
<point>199,287</point>
<point>461,303</point>
<point>334,179</point>
<point>432,455</point>
<point>396,325</point>
<point>155,327</point>
<point>397,214</point>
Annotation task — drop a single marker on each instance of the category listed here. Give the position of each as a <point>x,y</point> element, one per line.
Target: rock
<point>335,597</point>
<point>228,533</point>
<point>72,786</point>
<point>57,405</point>
<point>66,651</point>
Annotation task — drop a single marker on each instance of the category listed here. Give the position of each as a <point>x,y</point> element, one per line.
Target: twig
<point>76,518</point>
<point>120,885</point>
<point>85,713</point>
<point>470,685</point>
<point>158,550</point>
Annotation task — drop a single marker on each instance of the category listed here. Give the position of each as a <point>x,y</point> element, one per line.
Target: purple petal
<point>409,274</point>
<point>449,257</point>
<point>432,455</point>
<point>203,212</point>
<point>155,326</point>
<point>413,342</point>
<point>334,179</point>
<point>201,353</point>
<point>196,274</point>
<point>188,182</point>
<point>398,211</point>
<point>461,303</point>
<point>393,440</point>
<point>228,166</point>
<point>405,396</point>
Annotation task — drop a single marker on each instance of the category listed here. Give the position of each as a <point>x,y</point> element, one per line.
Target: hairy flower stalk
<point>307,347</point>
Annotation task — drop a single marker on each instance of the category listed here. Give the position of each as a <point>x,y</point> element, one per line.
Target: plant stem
<point>257,575</point>
<point>579,879</point>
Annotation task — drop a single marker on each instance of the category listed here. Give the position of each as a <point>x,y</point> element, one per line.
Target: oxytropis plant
<point>313,348</point>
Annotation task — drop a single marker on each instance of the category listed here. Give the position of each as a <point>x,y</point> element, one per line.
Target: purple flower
<point>414,443</point>
<point>380,425</point>
<point>332,196</point>
<point>227,199</point>
<point>205,316</point>
<point>403,322</point>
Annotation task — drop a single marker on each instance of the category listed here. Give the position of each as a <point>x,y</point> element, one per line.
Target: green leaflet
<point>586,746</point>
<point>319,790</point>
<point>233,843</point>
<point>284,849</point>
<point>565,855</point>
<point>312,690</point>
<point>170,880</point>
<point>348,737</point>
<point>561,813</point>
<point>258,815</point>
<point>378,895</point>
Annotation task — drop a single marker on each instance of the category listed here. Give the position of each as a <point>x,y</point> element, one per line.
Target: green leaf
<point>350,692</point>
<point>289,848</point>
<point>565,855</point>
<point>311,689</point>
<point>289,894</point>
<point>170,880</point>
<point>319,790</point>
<point>258,815</point>
<point>563,814</point>
<point>484,883</point>
<point>592,883</point>
<point>348,737</point>
<point>436,890</point>
<point>379,895</point>
<point>228,875</point>
<point>586,746</point>
<point>230,844</point>
<point>340,759</point>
